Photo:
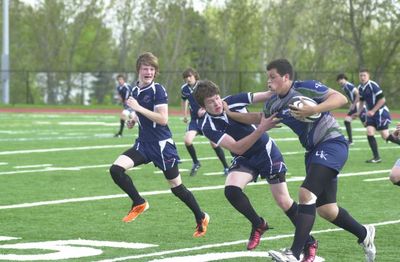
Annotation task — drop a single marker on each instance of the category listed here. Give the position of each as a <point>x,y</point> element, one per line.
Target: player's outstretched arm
<point>245,118</point>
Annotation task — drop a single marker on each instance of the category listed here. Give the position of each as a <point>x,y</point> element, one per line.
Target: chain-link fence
<point>98,88</point>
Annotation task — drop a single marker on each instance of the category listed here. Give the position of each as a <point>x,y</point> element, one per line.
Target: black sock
<point>304,223</point>
<point>221,155</point>
<point>192,153</point>
<point>347,222</point>
<point>187,197</point>
<point>348,130</point>
<point>291,213</point>
<point>242,204</point>
<point>392,139</point>
<point>125,183</point>
<point>121,126</point>
<point>397,183</point>
<point>374,146</point>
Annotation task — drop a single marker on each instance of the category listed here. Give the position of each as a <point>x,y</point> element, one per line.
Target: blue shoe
<point>226,171</point>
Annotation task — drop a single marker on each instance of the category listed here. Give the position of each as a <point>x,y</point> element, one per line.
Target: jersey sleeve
<point>215,136</point>
<point>313,89</point>
<point>184,93</point>
<point>160,96</point>
<point>239,101</point>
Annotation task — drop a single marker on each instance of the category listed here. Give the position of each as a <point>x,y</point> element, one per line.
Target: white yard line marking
<point>95,198</point>
<point>46,150</point>
<point>30,166</point>
<point>168,252</point>
<point>376,179</point>
<point>3,163</point>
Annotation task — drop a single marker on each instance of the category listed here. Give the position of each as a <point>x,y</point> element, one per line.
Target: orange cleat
<point>201,227</point>
<point>135,212</point>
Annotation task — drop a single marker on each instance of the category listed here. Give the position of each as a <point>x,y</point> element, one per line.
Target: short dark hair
<point>341,76</point>
<point>363,70</point>
<point>205,89</point>
<point>190,71</point>
<point>120,76</point>
<point>282,66</point>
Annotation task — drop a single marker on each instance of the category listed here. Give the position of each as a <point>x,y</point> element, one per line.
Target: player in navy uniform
<point>326,154</point>
<point>377,116</point>
<point>253,151</point>
<point>196,113</point>
<point>123,91</point>
<point>154,144</point>
<point>353,96</point>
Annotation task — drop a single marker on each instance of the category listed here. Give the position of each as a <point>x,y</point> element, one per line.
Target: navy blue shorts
<point>267,163</point>
<point>163,153</point>
<point>381,120</point>
<point>194,126</point>
<point>332,153</point>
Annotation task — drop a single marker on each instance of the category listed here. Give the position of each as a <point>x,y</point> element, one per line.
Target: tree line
<point>58,46</point>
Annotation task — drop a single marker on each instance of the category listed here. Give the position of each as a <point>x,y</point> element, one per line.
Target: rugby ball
<point>297,102</point>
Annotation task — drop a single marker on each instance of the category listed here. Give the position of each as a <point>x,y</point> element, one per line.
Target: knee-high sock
<point>192,153</point>
<point>374,146</point>
<point>291,213</point>
<point>121,126</point>
<point>347,222</point>
<point>304,223</point>
<point>221,155</point>
<point>392,139</point>
<point>348,130</point>
<point>125,183</point>
<point>242,204</point>
<point>187,197</point>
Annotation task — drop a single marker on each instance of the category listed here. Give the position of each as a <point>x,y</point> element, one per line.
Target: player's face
<point>121,81</point>
<point>190,80</point>
<point>341,81</point>
<point>276,82</point>
<point>146,75</point>
<point>364,77</point>
<point>213,105</point>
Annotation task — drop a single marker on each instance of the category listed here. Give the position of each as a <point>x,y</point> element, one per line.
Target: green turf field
<point>58,200</point>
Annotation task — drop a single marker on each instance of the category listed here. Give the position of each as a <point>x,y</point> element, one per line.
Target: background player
<point>123,92</point>
<point>377,116</point>
<point>254,154</point>
<point>352,94</point>
<point>154,144</point>
<point>191,78</point>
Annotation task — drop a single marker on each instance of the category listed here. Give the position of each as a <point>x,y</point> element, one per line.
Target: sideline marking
<point>29,166</point>
<point>149,193</point>
<point>161,253</point>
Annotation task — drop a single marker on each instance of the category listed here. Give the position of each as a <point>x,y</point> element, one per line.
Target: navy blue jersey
<point>370,93</point>
<point>310,134</point>
<point>349,89</point>
<point>215,127</point>
<point>124,92</point>
<point>187,94</point>
<point>150,97</point>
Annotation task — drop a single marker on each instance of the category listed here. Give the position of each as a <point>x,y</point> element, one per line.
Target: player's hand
<point>133,103</point>
<point>303,112</point>
<point>270,122</point>
<point>201,112</point>
<point>226,107</point>
<point>185,119</point>
<point>370,113</point>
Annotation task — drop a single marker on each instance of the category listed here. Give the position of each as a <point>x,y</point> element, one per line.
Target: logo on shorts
<point>321,154</point>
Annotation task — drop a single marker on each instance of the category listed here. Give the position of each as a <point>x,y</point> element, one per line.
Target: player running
<point>154,144</point>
